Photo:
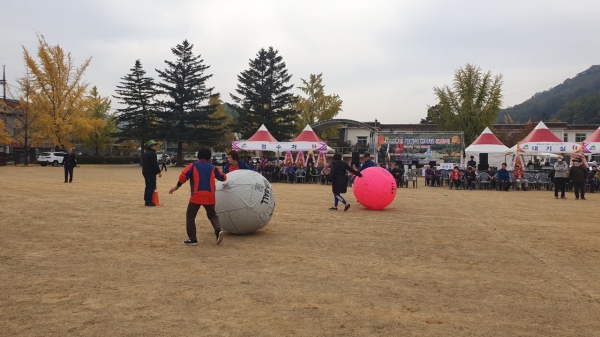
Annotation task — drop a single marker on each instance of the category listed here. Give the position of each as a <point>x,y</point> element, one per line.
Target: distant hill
<point>573,101</point>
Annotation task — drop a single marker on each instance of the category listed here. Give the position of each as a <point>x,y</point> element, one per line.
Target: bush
<point>118,160</point>
<point>90,160</point>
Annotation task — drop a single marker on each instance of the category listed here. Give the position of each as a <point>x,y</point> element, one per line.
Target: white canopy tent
<point>488,143</point>
<point>541,140</point>
<point>262,140</point>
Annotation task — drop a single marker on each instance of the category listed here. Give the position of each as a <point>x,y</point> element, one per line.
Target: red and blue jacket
<point>201,175</point>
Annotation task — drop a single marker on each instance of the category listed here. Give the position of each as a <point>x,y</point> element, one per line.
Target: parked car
<point>220,157</point>
<point>159,158</point>
<point>54,158</point>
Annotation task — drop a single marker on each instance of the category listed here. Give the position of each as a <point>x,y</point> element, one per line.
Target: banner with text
<point>407,146</point>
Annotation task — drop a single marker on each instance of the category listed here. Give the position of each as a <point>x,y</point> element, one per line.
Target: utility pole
<point>3,82</point>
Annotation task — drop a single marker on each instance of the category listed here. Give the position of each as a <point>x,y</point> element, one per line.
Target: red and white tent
<point>307,135</point>
<point>262,140</point>
<point>262,135</point>
<point>592,143</point>
<point>541,140</point>
<point>488,143</point>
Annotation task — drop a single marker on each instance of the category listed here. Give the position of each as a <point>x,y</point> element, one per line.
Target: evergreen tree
<point>188,112</point>
<point>138,119</point>
<point>264,97</point>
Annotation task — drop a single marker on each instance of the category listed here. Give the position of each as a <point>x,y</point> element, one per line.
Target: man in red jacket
<point>202,175</point>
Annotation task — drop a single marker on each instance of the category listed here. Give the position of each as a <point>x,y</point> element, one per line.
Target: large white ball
<point>246,204</point>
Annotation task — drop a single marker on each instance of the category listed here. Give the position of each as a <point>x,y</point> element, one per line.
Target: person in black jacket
<point>150,169</point>
<point>578,174</point>
<point>69,162</point>
<point>339,180</point>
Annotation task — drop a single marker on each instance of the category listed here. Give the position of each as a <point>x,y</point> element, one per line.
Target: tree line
<point>57,105</point>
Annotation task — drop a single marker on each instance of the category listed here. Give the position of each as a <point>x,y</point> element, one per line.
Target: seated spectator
<point>455,177</point>
<point>311,174</point>
<point>276,172</point>
<point>428,176</point>
<point>436,179</point>
<point>520,180</point>
<point>301,172</point>
<point>503,178</point>
<point>267,171</point>
<point>291,173</point>
<point>471,177</point>
<point>325,174</point>
<point>492,175</point>
<point>389,168</point>
<point>398,175</point>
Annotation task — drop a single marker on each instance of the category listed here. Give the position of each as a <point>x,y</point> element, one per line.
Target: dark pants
<point>190,215</point>
<point>504,185</point>
<point>470,182</point>
<point>560,185</point>
<point>163,166</point>
<point>456,183</point>
<point>150,187</point>
<point>579,187</point>
<point>68,173</point>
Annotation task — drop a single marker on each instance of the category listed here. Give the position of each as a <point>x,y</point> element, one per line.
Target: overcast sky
<point>382,57</point>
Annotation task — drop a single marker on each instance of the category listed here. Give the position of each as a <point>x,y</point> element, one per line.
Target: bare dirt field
<point>88,259</point>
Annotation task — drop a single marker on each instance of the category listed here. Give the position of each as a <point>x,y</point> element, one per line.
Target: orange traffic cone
<point>155,200</point>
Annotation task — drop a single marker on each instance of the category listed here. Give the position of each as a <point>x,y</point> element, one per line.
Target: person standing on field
<point>339,180</point>
<point>149,170</point>
<point>561,171</point>
<point>578,174</point>
<point>163,162</point>
<point>201,175</point>
<point>69,162</point>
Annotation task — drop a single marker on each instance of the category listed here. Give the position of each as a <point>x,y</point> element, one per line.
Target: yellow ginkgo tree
<point>59,94</point>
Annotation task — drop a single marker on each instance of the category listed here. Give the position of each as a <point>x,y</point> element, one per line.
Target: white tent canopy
<point>488,143</point>
<point>262,140</point>
<point>542,140</point>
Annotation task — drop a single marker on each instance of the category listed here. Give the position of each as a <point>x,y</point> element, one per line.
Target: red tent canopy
<point>307,135</point>
<point>262,135</point>
<point>487,138</point>
<point>541,133</point>
<point>594,137</point>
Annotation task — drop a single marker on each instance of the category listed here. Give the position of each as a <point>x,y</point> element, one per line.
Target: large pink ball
<point>376,189</point>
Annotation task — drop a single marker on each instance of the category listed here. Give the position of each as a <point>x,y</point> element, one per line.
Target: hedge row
<point>107,160</point>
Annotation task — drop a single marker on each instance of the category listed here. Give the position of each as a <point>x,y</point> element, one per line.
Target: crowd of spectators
<point>561,178</point>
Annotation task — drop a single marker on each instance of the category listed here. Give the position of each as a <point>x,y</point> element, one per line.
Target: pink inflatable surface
<point>376,189</point>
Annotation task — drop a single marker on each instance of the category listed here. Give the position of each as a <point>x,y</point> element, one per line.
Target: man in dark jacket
<point>367,162</point>
<point>150,169</point>
<point>339,180</point>
<point>503,178</point>
<point>398,175</point>
<point>69,162</point>
<point>578,174</point>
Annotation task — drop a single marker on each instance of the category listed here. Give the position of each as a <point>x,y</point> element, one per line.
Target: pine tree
<point>138,119</point>
<point>264,97</point>
<point>188,112</point>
